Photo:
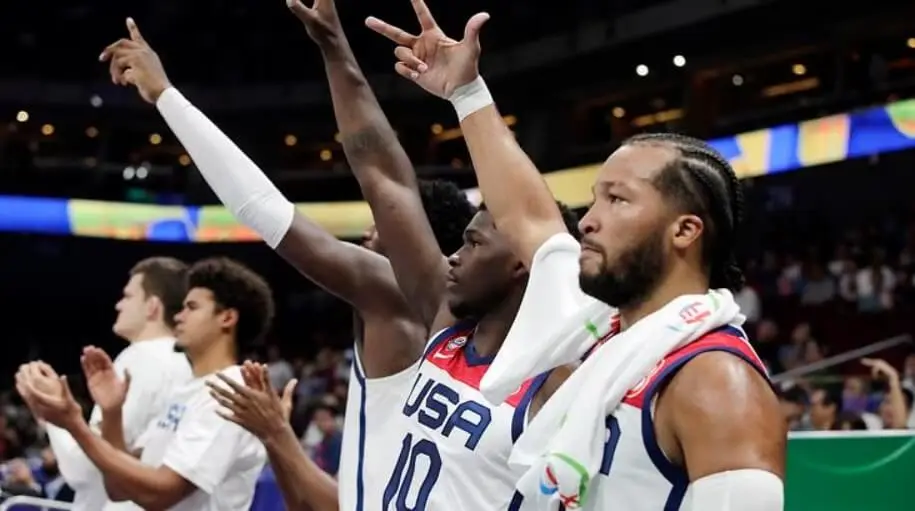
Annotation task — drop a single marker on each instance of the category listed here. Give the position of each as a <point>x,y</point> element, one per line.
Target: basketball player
<point>454,446</point>
<point>390,337</point>
<point>192,459</point>
<point>704,430</point>
<point>146,319</point>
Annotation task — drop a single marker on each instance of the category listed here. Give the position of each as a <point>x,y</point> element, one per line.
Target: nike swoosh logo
<point>443,355</point>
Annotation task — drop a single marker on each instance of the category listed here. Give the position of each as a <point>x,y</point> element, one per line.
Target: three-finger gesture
<point>254,406</point>
<point>433,60</point>
<point>108,390</point>
<point>132,62</point>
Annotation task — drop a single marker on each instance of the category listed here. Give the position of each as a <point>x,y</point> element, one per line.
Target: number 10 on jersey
<point>417,469</point>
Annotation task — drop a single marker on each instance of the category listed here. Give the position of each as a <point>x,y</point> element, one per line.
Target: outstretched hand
<point>433,60</point>
<point>133,62</point>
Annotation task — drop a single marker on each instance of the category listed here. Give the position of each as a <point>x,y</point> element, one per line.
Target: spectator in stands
<point>854,395</point>
<point>9,439</point>
<point>818,287</point>
<point>897,402</point>
<point>326,452</point>
<point>825,408</point>
<point>48,476</point>
<point>19,480</point>
<point>842,262</point>
<point>279,370</point>
<point>793,354</point>
<point>875,284</point>
<point>793,403</point>
<point>767,345</point>
<point>851,422</point>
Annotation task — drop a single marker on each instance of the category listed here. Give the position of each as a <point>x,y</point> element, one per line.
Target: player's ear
<point>228,318</point>
<point>686,230</point>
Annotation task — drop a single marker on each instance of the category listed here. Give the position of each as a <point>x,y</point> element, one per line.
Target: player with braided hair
<point>661,232</point>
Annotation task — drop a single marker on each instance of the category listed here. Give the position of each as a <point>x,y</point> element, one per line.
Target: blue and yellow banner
<point>769,151</point>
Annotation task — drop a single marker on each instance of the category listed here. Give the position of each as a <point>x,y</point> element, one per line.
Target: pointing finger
<point>134,31</point>
<point>398,35</point>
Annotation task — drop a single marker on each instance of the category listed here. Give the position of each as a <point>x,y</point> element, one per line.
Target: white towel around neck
<point>559,452</point>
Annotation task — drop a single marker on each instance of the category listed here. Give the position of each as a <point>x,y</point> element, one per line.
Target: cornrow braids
<point>705,182</point>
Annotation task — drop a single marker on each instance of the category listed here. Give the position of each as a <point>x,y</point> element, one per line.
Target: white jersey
<point>635,474</point>
<point>155,368</point>
<point>217,456</point>
<point>372,432</point>
<point>454,448</point>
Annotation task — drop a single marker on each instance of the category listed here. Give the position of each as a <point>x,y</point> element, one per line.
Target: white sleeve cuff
<point>736,490</point>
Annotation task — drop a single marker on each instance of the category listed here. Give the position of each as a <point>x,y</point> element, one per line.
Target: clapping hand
<point>255,406</point>
<point>108,390</point>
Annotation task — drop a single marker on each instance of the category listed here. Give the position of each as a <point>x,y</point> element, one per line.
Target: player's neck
<point>493,327</point>
<point>152,331</point>
<point>215,357</point>
<point>665,293</point>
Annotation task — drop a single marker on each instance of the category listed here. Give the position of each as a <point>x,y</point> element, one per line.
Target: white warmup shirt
<point>154,368</point>
<point>219,457</point>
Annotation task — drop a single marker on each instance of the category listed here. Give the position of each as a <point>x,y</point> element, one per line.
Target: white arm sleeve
<point>236,180</point>
<point>736,490</point>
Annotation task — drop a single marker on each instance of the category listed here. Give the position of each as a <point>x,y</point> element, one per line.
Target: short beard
<point>635,276</point>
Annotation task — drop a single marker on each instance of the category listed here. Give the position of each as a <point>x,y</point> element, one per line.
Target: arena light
<point>737,80</point>
<point>679,60</point>
<point>155,139</point>
<point>291,140</point>
<point>338,137</point>
<point>22,116</point>
<point>437,129</point>
<point>911,42</point>
<point>641,70</point>
<point>619,112</point>
<point>142,172</point>
<point>799,69</point>
<point>184,160</point>
<point>91,132</point>
<point>326,155</point>
<point>129,173</point>
<point>47,130</point>
<point>96,101</point>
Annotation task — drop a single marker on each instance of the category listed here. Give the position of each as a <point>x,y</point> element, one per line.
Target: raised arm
<point>515,193</point>
<point>381,165</point>
<point>358,276</point>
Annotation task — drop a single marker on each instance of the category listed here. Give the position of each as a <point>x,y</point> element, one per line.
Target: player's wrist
<point>277,436</point>
<point>470,97</point>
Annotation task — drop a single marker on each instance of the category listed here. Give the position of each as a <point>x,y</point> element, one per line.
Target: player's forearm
<point>515,193</point>
<point>75,467</point>
<point>303,484</point>
<point>897,403</point>
<point>236,180</point>
<point>369,141</point>
<point>113,429</point>
<point>126,478</point>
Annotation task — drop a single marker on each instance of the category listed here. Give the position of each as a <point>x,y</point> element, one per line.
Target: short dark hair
<point>794,395</point>
<point>235,286</point>
<point>448,210</point>
<point>569,218</point>
<point>166,279</point>
<point>702,182</point>
<point>832,396</point>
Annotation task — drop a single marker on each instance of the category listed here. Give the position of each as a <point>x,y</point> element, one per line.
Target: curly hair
<point>569,218</point>
<point>166,279</point>
<point>235,286</point>
<point>449,211</point>
<point>702,182</point>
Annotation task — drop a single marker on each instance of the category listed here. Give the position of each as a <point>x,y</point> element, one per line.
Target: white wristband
<point>470,97</point>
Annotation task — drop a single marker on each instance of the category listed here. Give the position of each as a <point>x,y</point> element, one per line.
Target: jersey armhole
<point>674,474</point>
<point>520,416</point>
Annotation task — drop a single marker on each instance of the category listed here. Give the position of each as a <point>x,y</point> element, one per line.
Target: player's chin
<point>590,263</point>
